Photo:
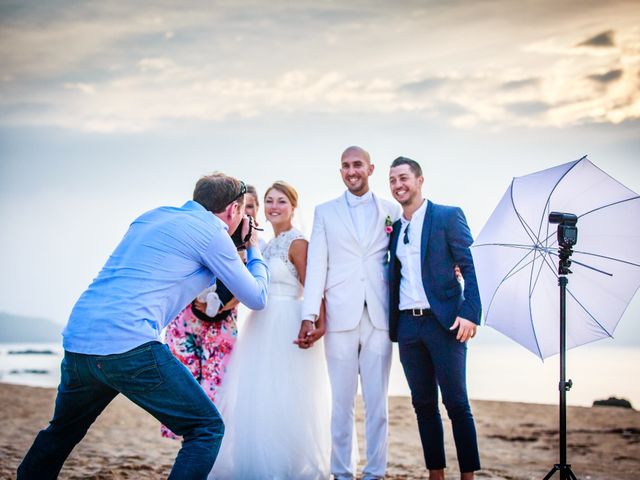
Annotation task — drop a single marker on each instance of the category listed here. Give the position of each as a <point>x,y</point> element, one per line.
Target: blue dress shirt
<point>165,259</point>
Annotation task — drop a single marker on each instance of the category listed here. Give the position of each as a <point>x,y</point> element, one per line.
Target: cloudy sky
<point>111,108</point>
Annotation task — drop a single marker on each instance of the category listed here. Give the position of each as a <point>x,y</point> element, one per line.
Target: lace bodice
<point>284,279</point>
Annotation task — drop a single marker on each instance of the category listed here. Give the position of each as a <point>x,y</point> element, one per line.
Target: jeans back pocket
<point>69,377</point>
<point>133,371</point>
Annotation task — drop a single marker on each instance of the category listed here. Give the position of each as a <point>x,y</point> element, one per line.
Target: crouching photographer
<point>167,257</point>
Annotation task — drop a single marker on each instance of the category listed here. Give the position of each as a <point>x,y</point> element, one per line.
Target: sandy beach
<point>518,441</point>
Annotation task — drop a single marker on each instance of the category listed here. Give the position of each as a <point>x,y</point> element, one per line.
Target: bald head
<point>355,150</point>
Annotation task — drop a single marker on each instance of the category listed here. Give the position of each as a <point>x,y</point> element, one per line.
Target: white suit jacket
<point>345,271</point>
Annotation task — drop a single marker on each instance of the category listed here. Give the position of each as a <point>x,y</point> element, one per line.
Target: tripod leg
<point>555,469</point>
<point>570,475</point>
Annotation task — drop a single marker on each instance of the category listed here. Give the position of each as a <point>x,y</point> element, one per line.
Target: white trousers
<point>365,350</point>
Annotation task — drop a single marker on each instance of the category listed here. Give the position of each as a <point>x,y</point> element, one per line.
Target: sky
<point>109,109</point>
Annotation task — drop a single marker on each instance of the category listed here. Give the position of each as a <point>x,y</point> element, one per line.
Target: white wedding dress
<point>275,397</point>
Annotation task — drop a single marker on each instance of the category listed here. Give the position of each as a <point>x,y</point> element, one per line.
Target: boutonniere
<point>388,225</point>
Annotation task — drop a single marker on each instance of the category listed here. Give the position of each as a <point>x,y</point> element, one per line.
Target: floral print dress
<point>203,347</point>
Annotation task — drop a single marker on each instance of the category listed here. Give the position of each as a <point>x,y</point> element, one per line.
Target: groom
<point>430,316</point>
<point>346,264</point>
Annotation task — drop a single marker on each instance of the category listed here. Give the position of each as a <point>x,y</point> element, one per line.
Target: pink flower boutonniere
<point>388,225</point>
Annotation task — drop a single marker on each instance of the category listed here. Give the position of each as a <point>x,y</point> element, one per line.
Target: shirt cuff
<point>253,252</point>
<point>311,318</point>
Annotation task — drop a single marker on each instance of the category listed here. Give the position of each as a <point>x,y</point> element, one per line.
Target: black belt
<point>417,312</point>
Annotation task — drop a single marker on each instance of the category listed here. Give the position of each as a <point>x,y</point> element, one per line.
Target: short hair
<point>286,189</point>
<point>214,192</point>
<point>251,190</point>
<point>356,149</point>
<point>413,165</point>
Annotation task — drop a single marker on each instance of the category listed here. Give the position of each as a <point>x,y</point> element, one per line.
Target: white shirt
<point>363,213</point>
<point>411,288</point>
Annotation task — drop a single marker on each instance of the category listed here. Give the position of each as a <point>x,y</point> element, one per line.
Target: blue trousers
<point>432,357</point>
<point>151,377</point>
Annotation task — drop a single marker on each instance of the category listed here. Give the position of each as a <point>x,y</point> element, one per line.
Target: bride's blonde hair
<point>286,189</point>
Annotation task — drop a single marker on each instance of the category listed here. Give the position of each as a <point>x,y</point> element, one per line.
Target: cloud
<point>156,64</point>
<point>161,91</point>
<point>607,77</point>
<point>602,40</point>
<point>82,87</point>
<point>528,108</point>
<point>424,85</point>
<point>450,109</point>
<point>89,69</point>
<point>518,84</point>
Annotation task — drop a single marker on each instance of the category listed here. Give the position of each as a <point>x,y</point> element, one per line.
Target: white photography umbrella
<point>516,257</point>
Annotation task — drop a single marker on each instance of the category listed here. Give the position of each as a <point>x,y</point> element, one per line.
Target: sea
<point>494,372</point>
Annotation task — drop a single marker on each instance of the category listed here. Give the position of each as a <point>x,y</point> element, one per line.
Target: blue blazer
<point>446,239</point>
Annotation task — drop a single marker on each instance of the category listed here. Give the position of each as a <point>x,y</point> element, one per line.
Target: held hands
<point>309,333</point>
<point>466,329</point>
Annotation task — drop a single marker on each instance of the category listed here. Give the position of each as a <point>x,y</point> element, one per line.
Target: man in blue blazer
<point>431,317</point>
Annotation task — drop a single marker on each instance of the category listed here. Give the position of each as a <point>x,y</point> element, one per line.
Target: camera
<point>567,230</point>
<point>240,242</point>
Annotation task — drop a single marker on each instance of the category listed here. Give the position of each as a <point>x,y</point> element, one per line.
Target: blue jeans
<point>152,378</point>
<point>432,357</point>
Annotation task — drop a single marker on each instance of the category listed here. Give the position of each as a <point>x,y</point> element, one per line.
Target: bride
<point>275,398</point>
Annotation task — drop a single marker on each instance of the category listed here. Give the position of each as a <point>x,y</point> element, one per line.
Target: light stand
<point>567,238</point>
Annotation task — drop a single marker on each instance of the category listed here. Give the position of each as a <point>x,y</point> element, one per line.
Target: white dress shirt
<point>411,289</point>
<point>363,213</point>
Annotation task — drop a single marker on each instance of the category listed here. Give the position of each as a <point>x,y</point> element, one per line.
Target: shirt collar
<point>417,215</point>
<point>354,200</point>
